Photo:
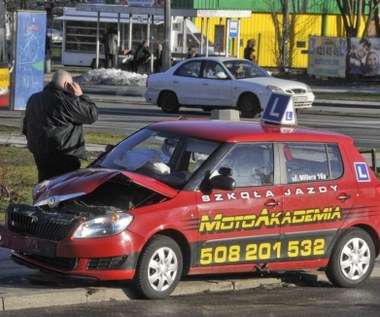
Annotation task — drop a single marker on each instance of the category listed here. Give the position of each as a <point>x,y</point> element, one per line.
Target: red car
<point>206,196</point>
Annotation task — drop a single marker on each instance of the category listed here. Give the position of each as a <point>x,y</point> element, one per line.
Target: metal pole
<point>97,41</point>
<point>167,55</point>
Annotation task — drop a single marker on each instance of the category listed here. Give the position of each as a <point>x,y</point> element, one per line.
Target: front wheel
<point>249,106</point>
<point>159,268</point>
<point>352,259</point>
<point>168,102</point>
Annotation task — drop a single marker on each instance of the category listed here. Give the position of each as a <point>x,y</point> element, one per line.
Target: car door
<point>317,197</point>
<point>185,82</point>
<point>238,227</point>
<point>214,90</point>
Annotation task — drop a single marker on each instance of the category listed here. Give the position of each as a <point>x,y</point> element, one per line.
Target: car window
<point>168,157</point>
<point>189,69</point>
<point>211,69</point>
<point>312,162</point>
<point>251,164</point>
<point>244,69</point>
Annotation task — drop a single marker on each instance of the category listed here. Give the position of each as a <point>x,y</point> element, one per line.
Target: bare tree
<point>352,13</point>
<point>285,24</point>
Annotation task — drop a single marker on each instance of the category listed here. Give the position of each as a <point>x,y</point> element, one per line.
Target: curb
<point>31,297</point>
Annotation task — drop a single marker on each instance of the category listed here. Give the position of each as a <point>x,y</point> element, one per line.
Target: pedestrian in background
<point>249,51</point>
<point>191,52</point>
<point>110,48</point>
<point>53,125</point>
<point>141,55</point>
<point>158,58</point>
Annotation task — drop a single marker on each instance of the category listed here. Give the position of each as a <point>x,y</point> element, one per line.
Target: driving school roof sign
<point>280,110</point>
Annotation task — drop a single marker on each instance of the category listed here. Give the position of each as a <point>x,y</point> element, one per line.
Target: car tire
<point>168,102</point>
<point>249,105</point>
<point>159,268</point>
<point>352,259</point>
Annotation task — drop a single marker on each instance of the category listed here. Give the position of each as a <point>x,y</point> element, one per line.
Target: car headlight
<point>103,226</point>
<point>275,89</point>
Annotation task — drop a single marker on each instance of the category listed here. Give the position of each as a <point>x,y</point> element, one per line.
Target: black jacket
<point>53,122</point>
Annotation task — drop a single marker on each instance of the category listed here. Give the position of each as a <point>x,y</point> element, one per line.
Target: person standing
<point>191,52</point>
<point>110,48</point>
<point>53,125</point>
<point>158,58</point>
<point>249,51</point>
<point>141,55</point>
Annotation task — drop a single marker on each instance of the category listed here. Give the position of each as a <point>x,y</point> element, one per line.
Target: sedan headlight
<point>103,226</point>
<point>275,89</point>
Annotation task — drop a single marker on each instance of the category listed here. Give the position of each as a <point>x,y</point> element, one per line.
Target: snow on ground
<point>111,77</point>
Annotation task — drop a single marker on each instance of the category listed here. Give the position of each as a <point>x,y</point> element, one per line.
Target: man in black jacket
<point>53,125</point>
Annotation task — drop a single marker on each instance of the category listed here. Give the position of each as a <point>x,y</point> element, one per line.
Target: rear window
<point>312,162</point>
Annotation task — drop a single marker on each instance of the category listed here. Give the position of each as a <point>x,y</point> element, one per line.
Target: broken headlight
<point>103,226</point>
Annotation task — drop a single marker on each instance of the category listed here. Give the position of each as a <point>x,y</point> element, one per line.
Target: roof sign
<point>280,110</point>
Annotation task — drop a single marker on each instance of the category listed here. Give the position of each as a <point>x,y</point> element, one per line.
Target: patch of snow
<point>111,77</point>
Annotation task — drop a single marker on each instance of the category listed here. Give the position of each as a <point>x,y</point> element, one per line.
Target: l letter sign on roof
<point>280,110</point>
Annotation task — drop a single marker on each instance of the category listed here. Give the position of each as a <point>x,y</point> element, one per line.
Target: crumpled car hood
<point>85,181</point>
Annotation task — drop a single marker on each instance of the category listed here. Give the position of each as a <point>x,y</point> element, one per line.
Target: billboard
<point>327,56</point>
<point>30,56</point>
<point>363,57</point>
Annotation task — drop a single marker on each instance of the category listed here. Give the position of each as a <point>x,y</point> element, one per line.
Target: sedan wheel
<point>249,106</point>
<point>168,102</point>
<point>352,259</point>
<point>159,269</point>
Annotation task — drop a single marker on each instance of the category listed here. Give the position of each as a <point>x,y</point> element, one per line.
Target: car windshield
<point>241,69</point>
<point>168,157</point>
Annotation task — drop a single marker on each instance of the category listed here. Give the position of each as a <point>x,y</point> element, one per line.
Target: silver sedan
<point>219,82</point>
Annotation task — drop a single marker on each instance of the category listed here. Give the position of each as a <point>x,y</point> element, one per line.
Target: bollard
<point>225,114</point>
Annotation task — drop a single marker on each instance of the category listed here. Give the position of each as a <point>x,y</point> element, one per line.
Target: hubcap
<point>162,270</point>
<point>355,259</point>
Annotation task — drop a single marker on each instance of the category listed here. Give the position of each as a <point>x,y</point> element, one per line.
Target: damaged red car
<point>201,197</point>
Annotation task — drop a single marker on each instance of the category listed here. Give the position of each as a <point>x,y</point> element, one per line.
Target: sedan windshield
<point>244,69</point>
<point>168,157</point>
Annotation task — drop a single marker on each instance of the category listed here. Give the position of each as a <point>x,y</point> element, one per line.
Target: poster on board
<point>363,58</point>
<point>327,56</point>
<point>30,56</point>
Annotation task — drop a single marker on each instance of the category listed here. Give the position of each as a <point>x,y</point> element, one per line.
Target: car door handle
<point>175,81</point>
<point>272,203</point>
<point>205,84</point>
<point>344,197</point>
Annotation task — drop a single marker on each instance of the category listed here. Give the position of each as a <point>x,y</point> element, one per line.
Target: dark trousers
<point>52,166</point>
<point>110,61</point>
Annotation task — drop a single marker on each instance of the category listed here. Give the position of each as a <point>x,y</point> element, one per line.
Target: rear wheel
<point>159,268</point>
<point>249,106</point>
<point>168,102</point>
<point>352,259</point>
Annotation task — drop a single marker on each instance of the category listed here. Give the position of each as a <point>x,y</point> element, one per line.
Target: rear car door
<point>234,227</point>
<point>318,195</point>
